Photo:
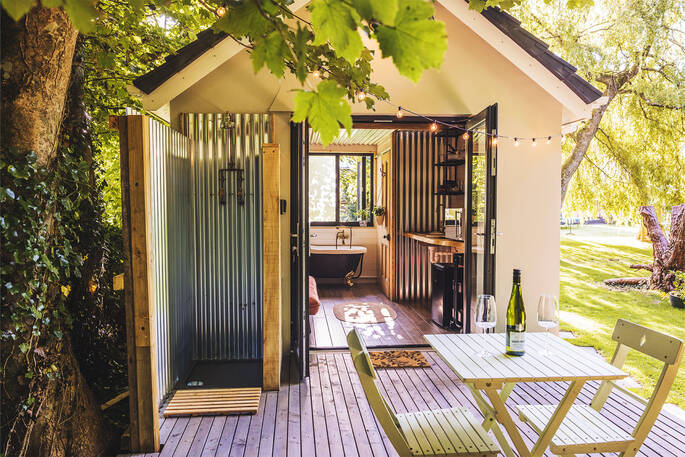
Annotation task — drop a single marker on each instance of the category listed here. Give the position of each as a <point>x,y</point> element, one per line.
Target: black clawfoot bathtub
<point>343,262</point>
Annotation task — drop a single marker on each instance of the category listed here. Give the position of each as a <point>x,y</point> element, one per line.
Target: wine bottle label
<point>517,341</point>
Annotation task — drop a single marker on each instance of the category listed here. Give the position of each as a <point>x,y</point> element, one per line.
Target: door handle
<point>387,236</point>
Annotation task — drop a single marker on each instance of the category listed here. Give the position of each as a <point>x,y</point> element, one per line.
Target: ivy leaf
<point>23,347</point>
<point>272,52</point>
<point>81,13</point>
<point>17,8</point>
<point>336,22</point>
<point>382,11</point>
<point>416,42</point>
<point>325,108</point>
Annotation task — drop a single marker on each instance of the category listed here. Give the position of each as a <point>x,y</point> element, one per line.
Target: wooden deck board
<point>327,331</point>
<point>328,415</point>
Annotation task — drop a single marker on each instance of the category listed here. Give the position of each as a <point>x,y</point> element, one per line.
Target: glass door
<point>299,245</point>
<point>480,227</point>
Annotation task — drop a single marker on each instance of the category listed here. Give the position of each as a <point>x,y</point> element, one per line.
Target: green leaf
<point>272,52</point>
<point>23,347</point>
<point>244,19</point>
<point>325,109</point>
<point>81,13</point>
<point>416,42</point>
<point>17,8</point>
<point>300,47</point>
<point>335,22</point>
<point>382,11</point>
<point>51,3</point>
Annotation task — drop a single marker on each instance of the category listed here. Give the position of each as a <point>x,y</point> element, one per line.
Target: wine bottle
<point>516,319</point>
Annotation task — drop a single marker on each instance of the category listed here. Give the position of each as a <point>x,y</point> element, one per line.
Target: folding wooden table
<point>495,376</point>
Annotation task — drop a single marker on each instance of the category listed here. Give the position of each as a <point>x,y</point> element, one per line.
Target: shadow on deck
<point>328,415</point>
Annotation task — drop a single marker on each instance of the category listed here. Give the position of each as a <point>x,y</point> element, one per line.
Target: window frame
<point>338,222</point>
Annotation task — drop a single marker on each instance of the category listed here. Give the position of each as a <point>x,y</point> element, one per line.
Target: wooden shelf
<point>451,192</point>
<point>435,240</point>
<point>450,163</point>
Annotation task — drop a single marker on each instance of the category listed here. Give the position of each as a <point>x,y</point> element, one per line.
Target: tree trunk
<point>587,132</point>
<point>669,254</point>
<point>65,420</point>
<point>36,63</point>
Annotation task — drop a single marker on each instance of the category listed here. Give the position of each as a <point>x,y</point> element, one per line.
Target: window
<point>340,189</point>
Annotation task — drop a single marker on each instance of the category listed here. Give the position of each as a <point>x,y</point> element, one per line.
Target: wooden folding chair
<point>584,429</point>
<point>445,432</point>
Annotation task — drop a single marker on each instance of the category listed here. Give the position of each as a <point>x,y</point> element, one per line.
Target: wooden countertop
<point>435,239</point>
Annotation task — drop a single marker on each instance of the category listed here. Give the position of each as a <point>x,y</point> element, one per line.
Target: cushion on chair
<point>584,430</point>
<point>452,432</point>
<point>314,302</point>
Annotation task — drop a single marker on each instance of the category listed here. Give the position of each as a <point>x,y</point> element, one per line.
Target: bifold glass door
<point>481,179</point>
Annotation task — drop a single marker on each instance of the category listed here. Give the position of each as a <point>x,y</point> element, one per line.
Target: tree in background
<point>630,153</point>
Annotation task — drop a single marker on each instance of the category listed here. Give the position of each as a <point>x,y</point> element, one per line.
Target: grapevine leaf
<point>336,22</point>
<point>383,11</point>
<point>17,8</point>
<point>325,109</point>
<point>272,52</point>
<point>416,42</point>
<point>81,13</point>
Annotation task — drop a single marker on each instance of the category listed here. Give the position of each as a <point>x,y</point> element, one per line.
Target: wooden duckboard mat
<point>212,402</point>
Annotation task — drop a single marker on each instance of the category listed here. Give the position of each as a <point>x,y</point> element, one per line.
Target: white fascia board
<point>196,70</point>
<point>480,25</point>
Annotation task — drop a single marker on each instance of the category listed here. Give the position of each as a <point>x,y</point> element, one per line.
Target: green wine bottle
<point>516,319</point>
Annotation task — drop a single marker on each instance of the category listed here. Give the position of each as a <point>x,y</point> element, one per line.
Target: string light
<point>361,95</point>
<point>316,73</point>
<point>549,140</point>
<point>221,11</point>
<point>535,143</point>
<point>400,113</point>
<point>516,142</point>
<point>434,127</point>
<point>465,136</point>
<point>494,140</point>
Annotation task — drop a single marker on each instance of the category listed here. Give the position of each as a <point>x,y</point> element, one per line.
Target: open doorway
<point>397,217</point>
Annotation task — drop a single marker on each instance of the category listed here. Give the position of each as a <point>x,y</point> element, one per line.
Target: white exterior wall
<point>473,76</point>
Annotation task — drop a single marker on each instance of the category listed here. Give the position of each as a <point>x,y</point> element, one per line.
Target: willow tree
<point>630,153</point>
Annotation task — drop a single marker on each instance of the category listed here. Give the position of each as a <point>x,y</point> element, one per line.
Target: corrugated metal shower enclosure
<point>206,237</point>
<point>228,233</point>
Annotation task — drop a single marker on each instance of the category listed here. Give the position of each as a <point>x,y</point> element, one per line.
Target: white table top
<point>565,363</point>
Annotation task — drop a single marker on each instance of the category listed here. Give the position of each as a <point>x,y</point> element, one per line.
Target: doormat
<point>364,313</point>
<point>212,402</point>
<point>398,359</point>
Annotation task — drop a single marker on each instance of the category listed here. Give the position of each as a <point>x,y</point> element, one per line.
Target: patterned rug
<point>364,313</point>
<point>398,359</point>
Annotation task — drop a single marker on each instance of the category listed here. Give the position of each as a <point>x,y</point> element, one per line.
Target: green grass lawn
<point>590,309</point>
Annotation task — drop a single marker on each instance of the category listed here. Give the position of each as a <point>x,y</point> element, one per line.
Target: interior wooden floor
<point>327,331</point>
<point>328,415</point>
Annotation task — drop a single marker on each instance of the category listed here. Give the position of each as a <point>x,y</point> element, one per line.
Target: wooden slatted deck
<point>328,415</point>
<point>327,331</point>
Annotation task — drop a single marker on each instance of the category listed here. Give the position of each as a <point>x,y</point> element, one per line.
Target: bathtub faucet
<point>341,235</point>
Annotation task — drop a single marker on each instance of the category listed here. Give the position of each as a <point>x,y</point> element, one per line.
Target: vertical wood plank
<point>141,340</point>
<point>272,264</point>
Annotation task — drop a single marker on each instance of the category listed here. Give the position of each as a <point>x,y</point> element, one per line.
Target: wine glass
<point>548,316</point>
<point>486,317</point>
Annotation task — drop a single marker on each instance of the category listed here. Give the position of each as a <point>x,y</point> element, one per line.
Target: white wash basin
<point>331,249</point>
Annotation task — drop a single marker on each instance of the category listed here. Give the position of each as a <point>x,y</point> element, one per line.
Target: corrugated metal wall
<point>228,237</point>
<point>172,251</point>
<point>416,207</point>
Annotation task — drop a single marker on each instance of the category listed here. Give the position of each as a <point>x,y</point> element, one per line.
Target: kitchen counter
<point>436,239</point>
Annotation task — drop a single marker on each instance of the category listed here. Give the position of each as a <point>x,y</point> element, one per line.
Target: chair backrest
<point>660,346</point>
<point>367,376</point>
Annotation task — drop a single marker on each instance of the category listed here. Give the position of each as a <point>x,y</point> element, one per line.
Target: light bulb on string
<point>434,127</point>
<point>494,140</point>
<point>535,143</point>
<point>516,142</point>
<point>400,113</point>
<point>549,140</point>
<point>361,95</point>
<point>221,11</point>
<point>465,136</point>
<point>316,73</point>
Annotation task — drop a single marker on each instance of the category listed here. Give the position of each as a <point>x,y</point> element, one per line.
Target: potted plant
<point>379,212</point>
<point>363,215</point>
<point>677,295</point>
